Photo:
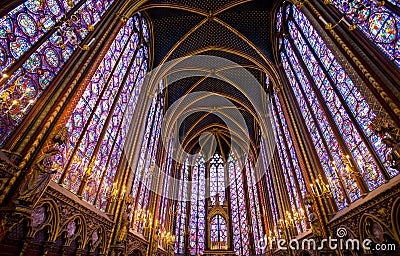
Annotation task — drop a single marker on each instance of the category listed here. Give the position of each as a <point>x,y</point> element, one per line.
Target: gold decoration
<point>42,171</point>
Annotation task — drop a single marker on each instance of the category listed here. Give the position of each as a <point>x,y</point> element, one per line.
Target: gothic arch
<point>97,239</point>
<point>216,211</point>
<point>74,229</point>
<point>370,227</point>
<point>45,216</point>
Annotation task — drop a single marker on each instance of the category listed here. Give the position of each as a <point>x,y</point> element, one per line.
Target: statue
<point>42,171</point>
<point>125,221</point>
<point>124,228</point>
<point>154,246</point>
<point>314,221</point>
<point>391,137</point>
<point>38,178</point>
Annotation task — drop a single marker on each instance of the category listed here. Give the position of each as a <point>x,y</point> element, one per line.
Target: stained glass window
<point>294,180</point>
<point>181,217</point>
<point>270,192</point>
<point>217,179</point>
<point>379,23</point>
<point>197,208</point>
<point>149,153</point>
<point>336,114</point>
<point>238,207</point>
<point>254,202</point>
<point>218,173</point>
<point>28,30</point>
<point>218,233</point>
<point>99,124</point>
<point>166,188</point>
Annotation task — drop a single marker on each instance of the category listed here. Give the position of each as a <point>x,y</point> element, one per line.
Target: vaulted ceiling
<point>238,30</point>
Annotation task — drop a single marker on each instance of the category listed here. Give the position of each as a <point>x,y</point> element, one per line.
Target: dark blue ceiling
<point>243,27</point>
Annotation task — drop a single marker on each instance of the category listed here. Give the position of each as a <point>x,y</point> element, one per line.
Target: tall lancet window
<point>379,22</point>
<point>181,213</point>
<point>37,38</point>
<point>295,185</point>
<point>217,179</point>
<point>270,195</point>
<point>254,203</point>
<point>198,208</point>
<point>166,188</point>
<point>98,126</point>
<point>336,114</point>
<point>240,223</point>
<point>147,163</point>
<point>218,232</point>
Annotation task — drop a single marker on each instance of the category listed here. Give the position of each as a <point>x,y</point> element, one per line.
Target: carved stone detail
<point>42,171</point>
<point>10,217</point>
<point>9,172</point>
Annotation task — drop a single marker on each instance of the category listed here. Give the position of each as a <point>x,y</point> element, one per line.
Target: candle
<point>312,188</point>
<point>318,186</point>
<point>123,191</point>
<point>323,20</point>
<point>91,41</point>
<point>3,77</point>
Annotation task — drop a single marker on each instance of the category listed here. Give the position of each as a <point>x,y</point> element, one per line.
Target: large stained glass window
<point>36,39</point>
<point>182,211</point>
<point>217,179</point>
<point>147,162</point>
<point>335,112</point>
<point>270,194</point>
<point>198,208</point>
<point>254,202</point>
<point>218,233</point>
<point>99,124</point>
<point>165,208</point>
<point>291,169</point>
<point>214,176</point>
<point>379,23</point>
<point>238,205</point>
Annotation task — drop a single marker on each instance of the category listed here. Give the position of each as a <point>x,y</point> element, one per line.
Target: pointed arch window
<point>217,179</point>
<point>37,38</point>
<point>99,124</point>
<point>219,232</point>
<point>336,114</point>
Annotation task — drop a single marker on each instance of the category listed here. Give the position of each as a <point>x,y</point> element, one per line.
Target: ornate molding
<point>380,205</point>
<point>9,172</point>
<point>11,216</point>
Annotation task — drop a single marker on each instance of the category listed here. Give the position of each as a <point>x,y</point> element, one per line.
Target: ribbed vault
<point>235,30</point>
